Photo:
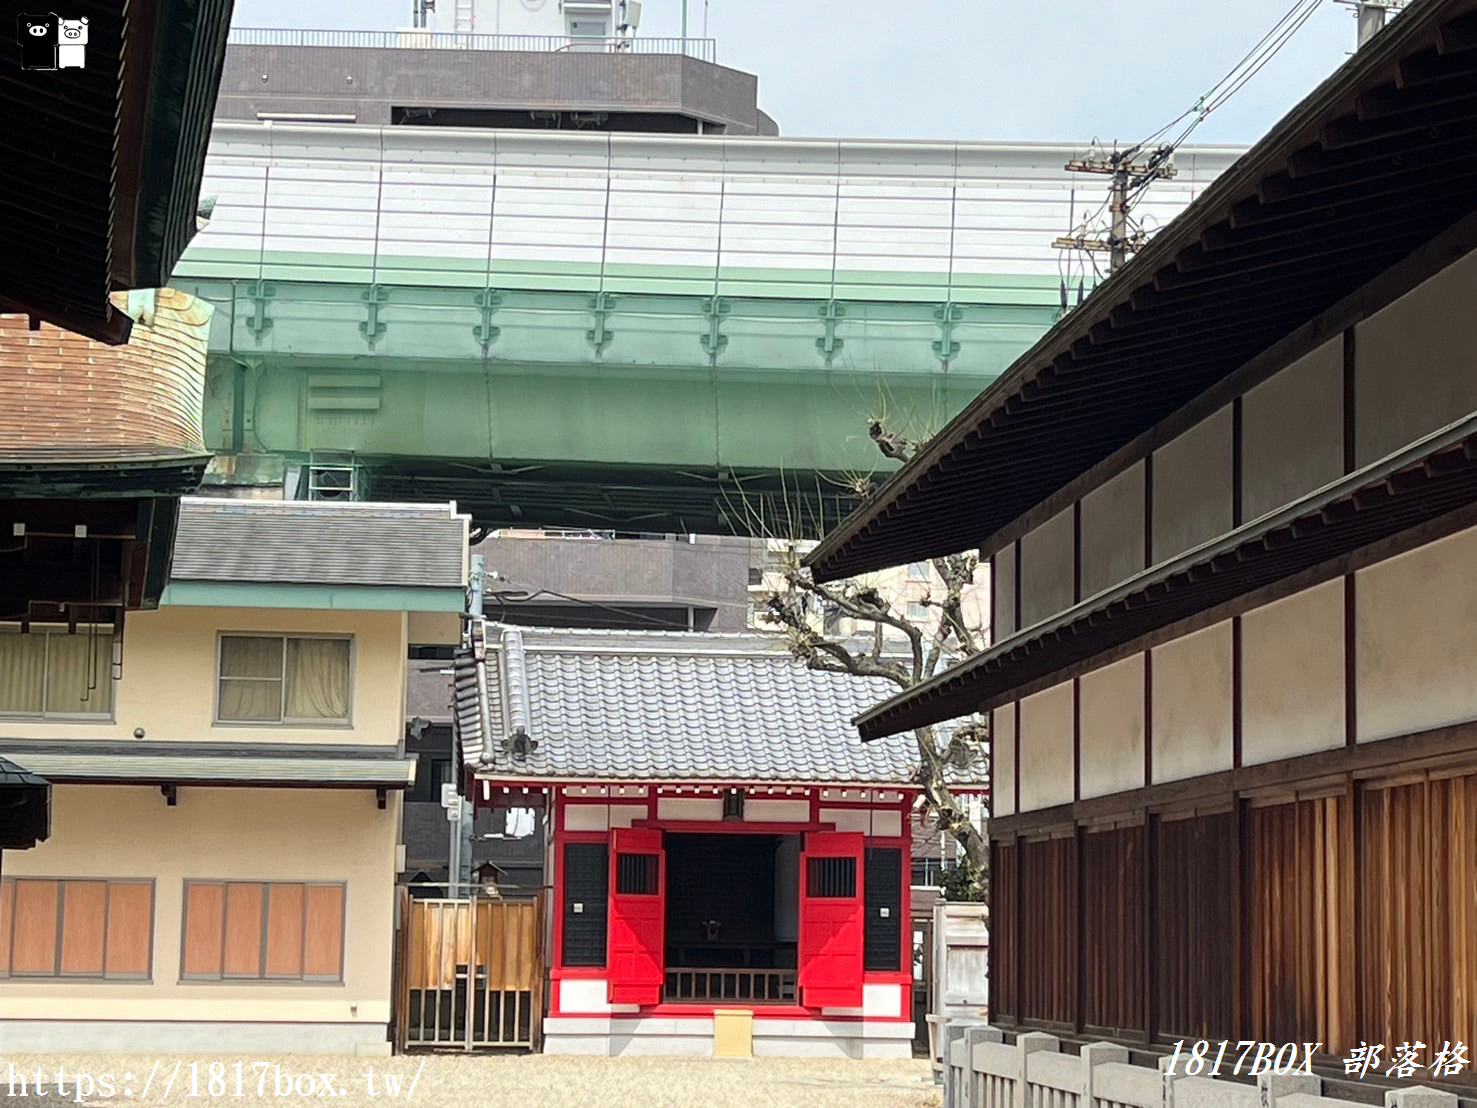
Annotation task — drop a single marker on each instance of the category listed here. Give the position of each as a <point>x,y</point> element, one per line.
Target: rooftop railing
<point>702,48</point>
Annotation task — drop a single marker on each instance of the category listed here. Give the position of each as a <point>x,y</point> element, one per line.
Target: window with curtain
<point>283,679</point>
<point>53,672</point>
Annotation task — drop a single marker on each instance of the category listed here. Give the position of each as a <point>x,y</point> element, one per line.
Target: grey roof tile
<point>320,542</point>
<point>670,706</point>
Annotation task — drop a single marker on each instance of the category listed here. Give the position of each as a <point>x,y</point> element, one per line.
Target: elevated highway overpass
<point>617,331</point>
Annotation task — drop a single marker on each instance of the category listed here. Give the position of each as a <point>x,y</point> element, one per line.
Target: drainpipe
<point>476,585</point>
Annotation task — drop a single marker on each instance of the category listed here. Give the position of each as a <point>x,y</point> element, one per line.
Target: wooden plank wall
<point>1004,934</point>
<point>1294,904</point>
<point>1193,924</point>
<point>1113,930</point>
<point>1418,911</point>
<point>1048,925</point>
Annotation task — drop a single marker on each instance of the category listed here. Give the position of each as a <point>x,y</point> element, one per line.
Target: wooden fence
<point>470,972</point>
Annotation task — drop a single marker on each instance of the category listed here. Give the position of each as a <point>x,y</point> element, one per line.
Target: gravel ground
<point>483,1080</point>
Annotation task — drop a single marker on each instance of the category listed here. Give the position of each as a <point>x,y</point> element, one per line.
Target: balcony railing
<point>704,49</point>
<point>754,985</point>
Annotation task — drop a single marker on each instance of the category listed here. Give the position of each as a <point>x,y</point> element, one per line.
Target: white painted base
<point>365,1040</point>
<point>693,1038</point>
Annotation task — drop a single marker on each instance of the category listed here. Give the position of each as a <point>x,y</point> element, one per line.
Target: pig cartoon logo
<point>71,47</point>
<point>38,36</point>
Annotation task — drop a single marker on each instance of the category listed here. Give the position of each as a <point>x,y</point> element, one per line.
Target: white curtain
<point>251,678</point>
<point>22,671</point>
<point>317,679</point>
<point>71,666</point>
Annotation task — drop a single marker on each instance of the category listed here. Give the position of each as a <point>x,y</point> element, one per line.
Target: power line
<point>1131,179</point>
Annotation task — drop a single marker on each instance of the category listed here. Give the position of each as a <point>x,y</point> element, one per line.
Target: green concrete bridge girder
<point>456,391</point>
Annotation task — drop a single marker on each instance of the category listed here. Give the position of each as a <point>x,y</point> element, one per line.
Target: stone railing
<point>981,1071</point>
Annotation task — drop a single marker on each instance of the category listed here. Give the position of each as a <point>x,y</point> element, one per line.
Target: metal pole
<point>476,585</point>
<point>1119,207</point>
<point>684,26</point>
<point>1371,21</point>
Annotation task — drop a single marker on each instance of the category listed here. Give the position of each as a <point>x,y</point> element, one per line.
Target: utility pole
<point>1371,15</point>
<point>1126,174</point>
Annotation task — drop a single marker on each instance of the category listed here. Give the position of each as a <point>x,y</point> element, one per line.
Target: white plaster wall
<point>623,815</point>
<point>1002,580</point>
<point>1416,625</point>
<point>587,817</point>
<point>696,807</point>
<point>1191,727</point>
<point>1002,757</point>
<point>1113,728</point>
<point>1046,569</point>
<point>1113,531</point>
<point>1292,675</point>
<point>1292,431</point>
<point>1192,487</point>
<point>1046,748</point>
<point>1415,363</point>
<point>848,819</point>
<point>776,811</point>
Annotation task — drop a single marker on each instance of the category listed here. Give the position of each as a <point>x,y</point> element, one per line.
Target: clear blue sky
<point>1027,70</point>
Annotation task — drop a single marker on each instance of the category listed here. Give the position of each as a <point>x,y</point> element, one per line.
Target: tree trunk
<point>951,818</point>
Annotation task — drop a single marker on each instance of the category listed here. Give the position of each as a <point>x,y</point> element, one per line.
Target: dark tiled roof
<point>671,707</point>
<point>330,543</point>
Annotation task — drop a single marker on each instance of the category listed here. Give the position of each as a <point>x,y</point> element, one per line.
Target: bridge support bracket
<point>949,316</point>
<point>714,340</point>
<point>831,313</point>
<point>599,336</point>
<point>260,293</point>
<point>488,302</point>
<point>372,328</point>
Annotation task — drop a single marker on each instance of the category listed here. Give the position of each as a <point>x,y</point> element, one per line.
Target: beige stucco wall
<point>1292,675</point>
<point>1416,639</point>
<point>1112,702</point>
<point>1415,363</point>
<point>1002,581</point>
<point>1047,574</point>
<point>1002,769</point>
<point>1046,748</point>
<point>1113,531</point>
<point>248,834</point>
<point>1292,431</point>
<point>1191,726</point>
<point>433,628</point>
<point>169,667</point>
<point>1192,487</point>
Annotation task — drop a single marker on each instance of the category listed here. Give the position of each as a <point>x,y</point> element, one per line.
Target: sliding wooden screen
<point>1113,931</point>
<point>1004,934</point>
<point>1194,921</point>
<point>1048,925</point>
<point>1295,875</point>
<point>1418,911</point>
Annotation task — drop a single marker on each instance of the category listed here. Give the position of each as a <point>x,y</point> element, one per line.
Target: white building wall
<point>1416,639</point>
<point>1292,675</point>
<point>1192,487</point>
<point>1046,748</point>
<point>1416,363</point>
<point>1112,703</point>
<point>1113,531</point>
<point>1003,760</point>
<point>1292,431</point>
<point>1191,724</point>
<point>1047,574</point>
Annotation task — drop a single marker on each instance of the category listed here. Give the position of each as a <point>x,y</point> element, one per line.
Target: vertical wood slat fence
<point>470,973</point>
<point>982,1071</point>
